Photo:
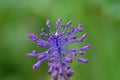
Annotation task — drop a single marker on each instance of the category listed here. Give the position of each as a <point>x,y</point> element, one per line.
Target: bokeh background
<point>100,19</point>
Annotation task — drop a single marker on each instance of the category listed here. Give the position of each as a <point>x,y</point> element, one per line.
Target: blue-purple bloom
<point>58,55</point>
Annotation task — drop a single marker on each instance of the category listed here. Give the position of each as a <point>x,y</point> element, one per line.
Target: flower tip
<point>68,23</point>
<point>82,38</point>
<point>36,65</point>
<point>83,60</point>
<point>50,69</point>
<point>29,55</point>
<point>43,30</point>
<point>48,23</point>
<point>87,47</point>
<point>79,29</point>
<point>84,35</point>
<point>71,72</point>
<point>59,20</point>
<point>68,59</point>
<point>55,75</point>
<point>31,35</point>
<point>81,53</point>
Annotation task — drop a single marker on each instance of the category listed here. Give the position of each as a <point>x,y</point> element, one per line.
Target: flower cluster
<point>58,55</point>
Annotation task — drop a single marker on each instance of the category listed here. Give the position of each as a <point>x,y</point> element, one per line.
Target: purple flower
<point>58,55</point>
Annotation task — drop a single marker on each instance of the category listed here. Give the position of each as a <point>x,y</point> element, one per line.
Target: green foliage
<point>101,20</point>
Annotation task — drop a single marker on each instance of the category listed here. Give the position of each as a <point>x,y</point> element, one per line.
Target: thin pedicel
<point>58,55</point>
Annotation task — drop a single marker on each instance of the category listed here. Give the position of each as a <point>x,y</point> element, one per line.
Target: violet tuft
<point>58,55</point>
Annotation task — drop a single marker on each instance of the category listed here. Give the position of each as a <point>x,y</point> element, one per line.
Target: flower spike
<point>58,56</point>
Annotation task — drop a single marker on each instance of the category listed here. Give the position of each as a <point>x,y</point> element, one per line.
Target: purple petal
<point>33,54</point>
<point>79,29</point>
<point>81,53</point>
<point>58,22</point>
<point>66,65</point>
<point>60,71</point>
<point>74,52</point>
<point>82,60</point>
<point>69,33</point>
<point>68,72</point>
<point>41,56</point>
<point>50,69</point>
<point>62,77</point>
<point>34,37</point>
<point>68,59</point>
<point>51,60</point>
<point>43,44</point>
<point>43,30</point>
<point>31,36</point>
<point>73,37</point>
<point>68,23</point>
<point>48,24</point>
<point>73,29</point>
<point>87,47</point>
<point>36,65</point>
<point>50,64</point>
<point>82,38</point>
<point>57,66</point>
<point>55,75</point>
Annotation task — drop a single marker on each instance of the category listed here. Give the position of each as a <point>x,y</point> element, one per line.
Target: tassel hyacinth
<point>58,55</point>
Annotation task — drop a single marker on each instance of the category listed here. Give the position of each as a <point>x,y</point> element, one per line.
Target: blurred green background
<point>101,20</point>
